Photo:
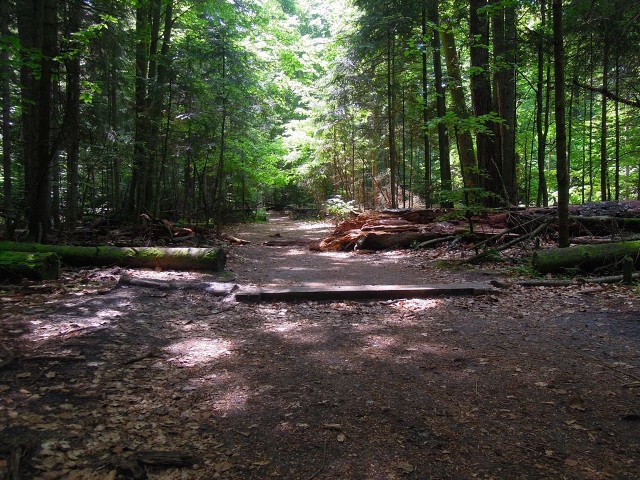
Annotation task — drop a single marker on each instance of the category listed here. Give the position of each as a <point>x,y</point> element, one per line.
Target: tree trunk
<point>34,266</point>
<point>562,168</point>
<point>7,134</point>
<point>504,41</point>
<point>604,164</point>
<point>443,141</point>
<point>543,196</point>
<point>149,257</point>
<point>585,257</point>
<point>459,106</point>
<point>425,113</point>
<point>390,116</point>
<point>481,90</point>
<point>37,29</point>
<point>139,172</point>
<point>72,120</point>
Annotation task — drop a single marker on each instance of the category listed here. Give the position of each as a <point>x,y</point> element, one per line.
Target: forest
<point>207,112</point>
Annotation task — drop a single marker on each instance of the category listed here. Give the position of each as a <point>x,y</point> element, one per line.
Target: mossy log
<point>34,266</point>
<point>585,257</point>
<point>166,258</point>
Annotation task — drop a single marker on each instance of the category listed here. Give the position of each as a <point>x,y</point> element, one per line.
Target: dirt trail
<point>294,265</point>
<point>527,384</point>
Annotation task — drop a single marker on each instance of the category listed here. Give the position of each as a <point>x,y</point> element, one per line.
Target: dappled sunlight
<point>43,330</point>
<point>194,351</point>
<point>415,305</point>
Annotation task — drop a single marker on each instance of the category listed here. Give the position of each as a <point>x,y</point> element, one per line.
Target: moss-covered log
<point>585,257</point>
<point>167,258</point>
<point>34,266</point>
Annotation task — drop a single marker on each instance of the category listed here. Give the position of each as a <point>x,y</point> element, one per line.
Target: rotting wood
<point>363,292</point>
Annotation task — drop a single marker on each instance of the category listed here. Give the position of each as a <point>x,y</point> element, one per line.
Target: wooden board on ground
<point>363,292</point>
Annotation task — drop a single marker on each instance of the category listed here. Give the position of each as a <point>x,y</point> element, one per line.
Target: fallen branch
<point>571,283</point>
<point>521,239</point>
<point>436,241</point>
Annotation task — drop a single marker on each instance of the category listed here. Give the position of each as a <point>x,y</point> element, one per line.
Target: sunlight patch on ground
<point>417,304</point>
<point>194,351</point>
<point>46,330</point>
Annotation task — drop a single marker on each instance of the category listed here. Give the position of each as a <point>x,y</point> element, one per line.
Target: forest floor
<point>97,378</point>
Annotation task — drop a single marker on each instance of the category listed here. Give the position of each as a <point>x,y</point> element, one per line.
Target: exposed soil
<point>524,384</point>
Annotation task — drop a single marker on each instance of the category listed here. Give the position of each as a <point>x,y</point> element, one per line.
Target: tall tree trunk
<point>617,128</point>
<point>561,140</point>
<point>604,164</point>
<point>390,116</point>
<point>459,106</point>
<point>139,172</point>
<point>443,140</point>
<point>72,120</point>
<point>38,33</point>
<point>425,112</point>
<point>7,134</point>
<point>504,44</point>
<point>543,196</point>
<point>481,96</point>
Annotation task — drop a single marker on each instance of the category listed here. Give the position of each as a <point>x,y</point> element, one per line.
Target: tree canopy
<point>205,112</point>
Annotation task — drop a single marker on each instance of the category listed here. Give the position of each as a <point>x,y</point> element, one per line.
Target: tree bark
<point>504,41</point>
<point>37,31</point>
<point>168,258</point>
<point>481,91</point>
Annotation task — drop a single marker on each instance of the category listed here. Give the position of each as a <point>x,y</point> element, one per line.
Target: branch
<point>608,94</point>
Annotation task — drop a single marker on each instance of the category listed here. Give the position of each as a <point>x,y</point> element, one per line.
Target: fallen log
<point>585,257</point>
<point>150,257</point>
<point>601,225</point>
<point>34,266</point>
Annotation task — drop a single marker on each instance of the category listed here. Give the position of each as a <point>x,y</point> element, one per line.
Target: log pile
<point>389,229</point>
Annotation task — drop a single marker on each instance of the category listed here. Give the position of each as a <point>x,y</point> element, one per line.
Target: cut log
<point>34,266</point>
<point>585,257</point>
<point>151,257</point>
<point>387,240</point>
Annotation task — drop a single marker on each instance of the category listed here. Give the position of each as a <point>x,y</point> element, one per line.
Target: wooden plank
<point>363,292</point>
